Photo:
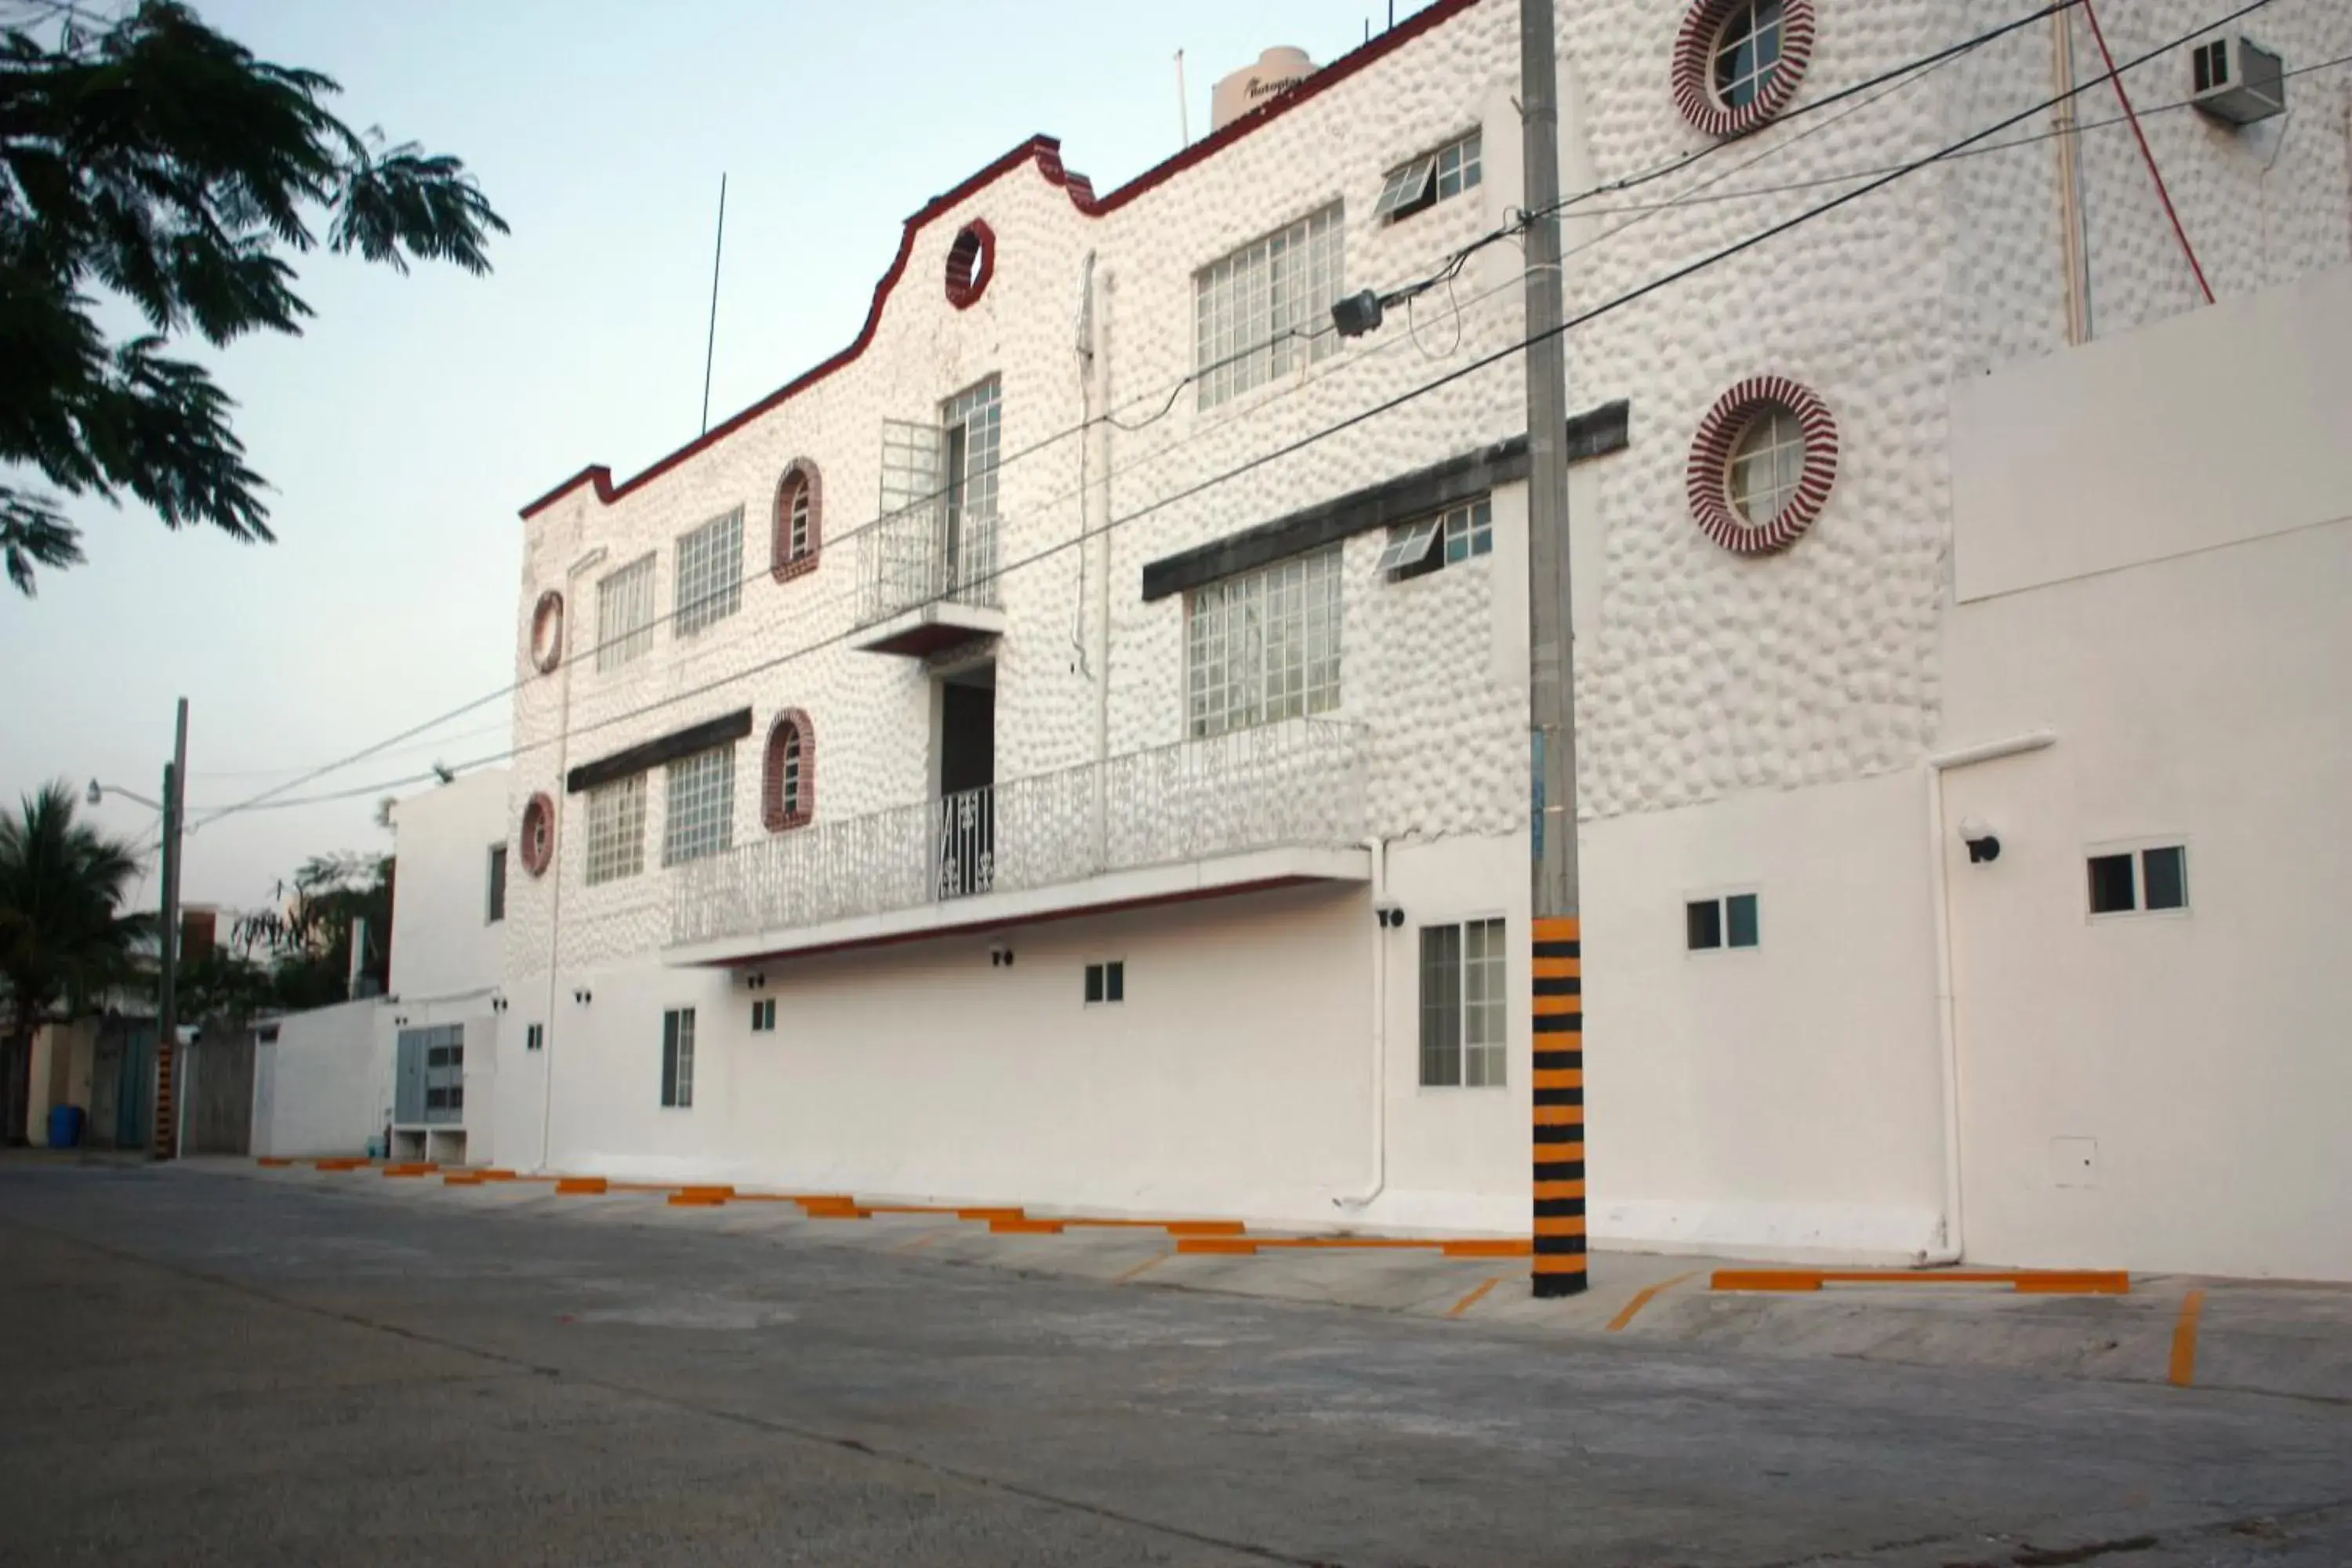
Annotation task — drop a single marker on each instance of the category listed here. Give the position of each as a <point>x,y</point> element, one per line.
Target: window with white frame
<point>677,1059</point>
<point>1748,50</point>
<point>1265,310</point>
<point>534,1037</point>
<point>971,421</point>
<point>2140,881</point>
<point>1465,1008</point>
<point>710,572</point>
<point>617,830</point>
<point>700,816</point>
<point>1417,549</point>
<point>1105,982</point>
<point>1712,925</point>
<point>763,1016</point>
<point>1264,645</point>
<point>498,889</point>
<point>1429,179</point>
<point>1768,466</point>
<point>625,613</point>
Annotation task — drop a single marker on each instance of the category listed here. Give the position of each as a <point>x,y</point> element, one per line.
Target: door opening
<point>965,823</point>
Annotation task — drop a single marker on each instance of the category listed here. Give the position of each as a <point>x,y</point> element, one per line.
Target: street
<point>211,1370</point>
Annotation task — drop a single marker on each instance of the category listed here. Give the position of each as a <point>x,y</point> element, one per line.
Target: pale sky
<point>405,428</point>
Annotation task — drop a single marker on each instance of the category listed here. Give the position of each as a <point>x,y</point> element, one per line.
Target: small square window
<point>2140,881</point>
<point>763,1016</point>
<point>2112,890</point>
<point>1429,179</point>
<point>533,1037</point>
<point>1105,982</point>
<point>1725,921</point>
<point>1417,549</point>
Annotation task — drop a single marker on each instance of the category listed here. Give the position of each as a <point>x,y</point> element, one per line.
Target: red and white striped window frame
<point>538,835</point>
<point>1694,73</point>
<point>788,776</point>
<point>1708,478</point>
<point>800,511</point>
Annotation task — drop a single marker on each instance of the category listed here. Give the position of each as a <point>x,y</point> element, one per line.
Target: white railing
<point>926,553</point>
<point>1296,784</point>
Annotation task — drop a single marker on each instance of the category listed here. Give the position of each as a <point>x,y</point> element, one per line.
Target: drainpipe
<point>1379,849</point>
<point>587,563</point>
<point>1101,435</point>
<point>2072,251</point>
<point>1946,1031</point>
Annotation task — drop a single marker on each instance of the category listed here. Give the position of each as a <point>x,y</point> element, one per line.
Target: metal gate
<point>429,1076</point>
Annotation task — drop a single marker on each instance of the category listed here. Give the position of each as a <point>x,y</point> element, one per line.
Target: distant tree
<point>153,159</point>
<point>64,939</point>
<point>309,934</point>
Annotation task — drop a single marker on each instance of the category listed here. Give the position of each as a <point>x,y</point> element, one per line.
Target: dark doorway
<point>967,814</point>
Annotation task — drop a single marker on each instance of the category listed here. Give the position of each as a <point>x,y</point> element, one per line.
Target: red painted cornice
<point>1045,152</point>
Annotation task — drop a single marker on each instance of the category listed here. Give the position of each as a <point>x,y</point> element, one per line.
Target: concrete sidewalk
<point>2262,1336</point>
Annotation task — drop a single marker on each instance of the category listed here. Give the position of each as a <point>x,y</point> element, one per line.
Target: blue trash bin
<point>65,1126</point>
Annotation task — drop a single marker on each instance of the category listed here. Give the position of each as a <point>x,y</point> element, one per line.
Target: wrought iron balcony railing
<point>1299,783</point>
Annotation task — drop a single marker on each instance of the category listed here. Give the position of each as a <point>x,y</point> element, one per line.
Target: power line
<point>1620,301</point>
<point>1452,267</point>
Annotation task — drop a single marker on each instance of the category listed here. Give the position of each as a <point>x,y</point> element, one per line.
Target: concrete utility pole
<point>167,999</point>
<point>1557,952</point>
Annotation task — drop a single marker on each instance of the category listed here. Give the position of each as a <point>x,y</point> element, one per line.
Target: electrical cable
<point>1617,302</point>
<point>2148,155</point>
<point>1454,265</point>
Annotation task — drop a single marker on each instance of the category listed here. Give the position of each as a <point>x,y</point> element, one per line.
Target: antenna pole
<point>1183,106</point>
<point>711,345</point>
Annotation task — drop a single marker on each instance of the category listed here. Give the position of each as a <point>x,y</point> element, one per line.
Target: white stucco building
<point>417,1065</point>
<point>1071,746</point>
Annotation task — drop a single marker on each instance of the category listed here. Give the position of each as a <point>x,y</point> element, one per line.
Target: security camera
<point>1983,847</point>
<point>999,955</point>
<point>1386,913</point>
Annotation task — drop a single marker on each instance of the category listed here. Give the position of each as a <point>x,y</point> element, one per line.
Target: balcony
<point>1255,809</point>
<point>927,580</point>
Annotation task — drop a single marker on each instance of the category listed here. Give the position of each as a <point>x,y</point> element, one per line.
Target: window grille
<point>1263,311</point>
<point>1264,645</point>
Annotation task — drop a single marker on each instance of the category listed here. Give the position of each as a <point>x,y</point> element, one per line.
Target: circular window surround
<point>538,834</point>
<point>1719,435</point>
<point>1694,74</point>
<point>547,632</point>
<point>972,264</point>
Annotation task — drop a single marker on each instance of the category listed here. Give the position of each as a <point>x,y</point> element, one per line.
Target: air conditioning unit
<point>2237,81</point>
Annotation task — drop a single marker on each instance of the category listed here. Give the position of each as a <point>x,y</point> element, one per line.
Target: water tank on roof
<point>1244,90</point>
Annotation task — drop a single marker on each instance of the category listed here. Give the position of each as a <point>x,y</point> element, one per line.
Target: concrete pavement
<point>279,1371</point>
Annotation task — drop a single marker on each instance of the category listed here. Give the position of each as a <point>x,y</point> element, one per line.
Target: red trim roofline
<point>1046,152</point>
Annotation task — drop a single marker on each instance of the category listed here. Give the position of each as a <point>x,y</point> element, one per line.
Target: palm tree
<point>64,940</point>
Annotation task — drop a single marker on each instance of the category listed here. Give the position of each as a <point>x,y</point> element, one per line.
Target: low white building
<point>1071,746</point>
<point>416,1067</point>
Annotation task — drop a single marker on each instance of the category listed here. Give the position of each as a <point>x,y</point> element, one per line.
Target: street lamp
<point>98,793</point>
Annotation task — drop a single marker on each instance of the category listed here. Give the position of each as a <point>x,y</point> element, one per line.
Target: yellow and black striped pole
<point>1560,1108</point>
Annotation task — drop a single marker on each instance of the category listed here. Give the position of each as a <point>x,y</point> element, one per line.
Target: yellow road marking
<point>1641,1300</point>
<point>1145,1267</point>
<point>2184,1340</point>
<point>1472,1299</point>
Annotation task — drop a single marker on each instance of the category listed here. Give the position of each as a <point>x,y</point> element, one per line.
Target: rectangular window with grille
<point>710,572</point>
<point>677,1059</point>
<point>617,830</point>
<point>1264,645</point>
<point>701,816</point>
<point>1464,1005</point>
<point>1429,179</point>
<point>625,613</point>
<point>1265,310</point>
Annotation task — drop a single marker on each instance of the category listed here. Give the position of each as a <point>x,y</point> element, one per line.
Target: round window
<point>1738,62</point>
<point>1762,466</point>
<point>538,835</point>
<point>547,631</point>
<point>972,262</point>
